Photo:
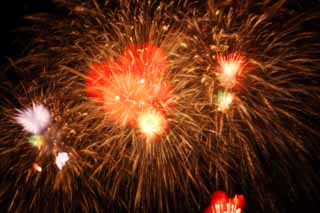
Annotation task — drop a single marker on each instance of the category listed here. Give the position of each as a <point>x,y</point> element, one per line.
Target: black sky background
<point>11,13</point>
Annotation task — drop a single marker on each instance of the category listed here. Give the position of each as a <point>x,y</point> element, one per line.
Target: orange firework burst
<point>130,85</point>
<point>230,67</point>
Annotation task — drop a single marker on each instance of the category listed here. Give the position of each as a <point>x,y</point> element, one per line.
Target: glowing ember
<point>130,85</point>
<point>61,159</point>
<point>220,203</point>
<point>36,140</point>
<point>34,119</point>
<point>229,68</point>
<point>36,167</point>
<point>224,100</point>
<point>152,123</point>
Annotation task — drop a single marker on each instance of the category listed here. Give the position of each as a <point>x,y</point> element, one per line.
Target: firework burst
<point>260,73</point>
<point>152,104</point>
<point>138,84</point>
<point>137,105</point>
<point>131,85</point>
<point>35,119</point>
<point>220,203</point>
<point>47,157</point>
<point>229,68</point>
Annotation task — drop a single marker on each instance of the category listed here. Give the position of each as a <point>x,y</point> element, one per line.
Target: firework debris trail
<point>151,106</point>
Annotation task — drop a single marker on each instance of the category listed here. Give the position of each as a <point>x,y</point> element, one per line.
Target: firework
<point>34,119</point>
<point>256,76</point>
<point>56,163</point>
<point>61,159</point>
<point>138,84</point>
<point>131,85</point>
<point>134,131</point>
<point>152,123</point>
<point>229,68</point>
<point>153,103</point>
<point>36,140</point>
<point>220,203</point>
<point>224,100</point>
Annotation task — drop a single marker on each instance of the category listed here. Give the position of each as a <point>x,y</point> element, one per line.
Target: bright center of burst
<point>151,123</point>
<point>228,99</point>
<point>230,68</point>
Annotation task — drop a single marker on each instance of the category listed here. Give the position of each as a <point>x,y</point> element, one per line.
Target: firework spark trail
<point>236,100</point>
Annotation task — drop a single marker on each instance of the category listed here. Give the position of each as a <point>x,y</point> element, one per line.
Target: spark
<point>34,119</point>
<point>36,167</point>
<point>61,159</point>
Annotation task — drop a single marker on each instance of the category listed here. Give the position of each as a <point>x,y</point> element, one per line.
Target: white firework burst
<point>34,119</point>
<point>61,159</point>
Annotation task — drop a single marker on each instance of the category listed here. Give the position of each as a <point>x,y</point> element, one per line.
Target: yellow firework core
<point>36,140</point>
<point>152,123</point>
<point>225,99</point>
<point>231,68</point>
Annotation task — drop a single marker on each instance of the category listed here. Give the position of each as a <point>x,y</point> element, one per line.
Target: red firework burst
<point>220,203</point>
<point>132,84</point>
